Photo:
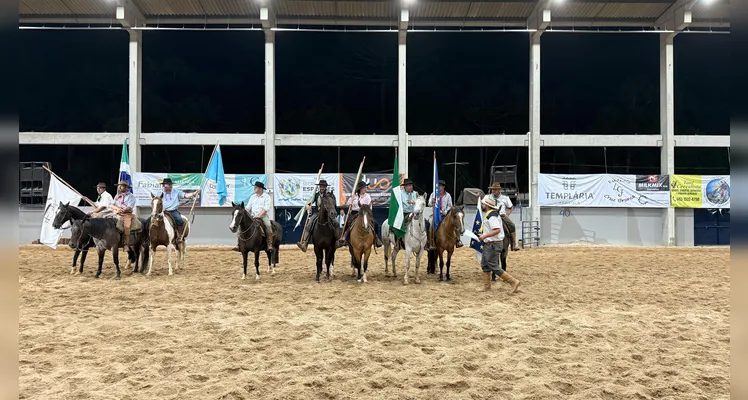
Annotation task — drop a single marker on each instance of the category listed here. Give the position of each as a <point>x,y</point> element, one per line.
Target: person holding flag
<point>124,167</point>
<point>441,200</point>
<point>316,201</point>
<point>492,246</point>
<point>171,201</point>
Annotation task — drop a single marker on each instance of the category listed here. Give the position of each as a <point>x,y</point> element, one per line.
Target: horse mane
<point>76,212</point>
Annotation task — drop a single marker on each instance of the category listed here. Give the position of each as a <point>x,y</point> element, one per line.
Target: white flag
<point>58,192</point>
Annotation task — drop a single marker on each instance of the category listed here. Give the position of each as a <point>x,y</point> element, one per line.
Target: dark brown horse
<point>251,239</point>
<point>446,237</point>
<point>361,240</point>
<point>325,233</point>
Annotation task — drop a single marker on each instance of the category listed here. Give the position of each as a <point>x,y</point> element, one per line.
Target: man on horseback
<point>359,198</point>
<point>446,207</point>
<point>316,202</point>
<point>259,205</point>
<point>408,197</point>
<point>102,202</point>
<point>492,239</point>
<point>171,202</point>
<point>505,210</point>
<point>122,207</point>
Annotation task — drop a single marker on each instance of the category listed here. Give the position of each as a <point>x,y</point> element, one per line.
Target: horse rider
<point>258,207</point>
<point>408,198</point>
<point>316,202</point>
<point>446,207</point>
<point>102,202</point>
<point>493,238</point>
<point>356,201</point>
<point>171,202</point>
<point>505,210</point>
<point>122,207</point>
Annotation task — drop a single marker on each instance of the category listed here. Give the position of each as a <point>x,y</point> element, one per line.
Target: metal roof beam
<point>129,15</point>
<point>267,18</point>
<point>677,17</point>
<point>540,17</point>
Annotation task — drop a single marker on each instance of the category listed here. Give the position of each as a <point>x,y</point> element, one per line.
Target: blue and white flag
<point>124,166</point>
<point>215,174</point>
<point>437,197</point>
<point>477,229</point>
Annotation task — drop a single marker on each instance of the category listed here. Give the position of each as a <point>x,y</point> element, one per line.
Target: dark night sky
<point>346,83</point>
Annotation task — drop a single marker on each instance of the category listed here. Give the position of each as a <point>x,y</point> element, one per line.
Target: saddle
<point>178,228</point>
<point>135,225</point>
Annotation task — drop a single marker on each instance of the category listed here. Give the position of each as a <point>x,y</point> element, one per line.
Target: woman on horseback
<point>359,198</point>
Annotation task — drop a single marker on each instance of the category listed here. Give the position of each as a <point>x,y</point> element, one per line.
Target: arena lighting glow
<point>409,1</point>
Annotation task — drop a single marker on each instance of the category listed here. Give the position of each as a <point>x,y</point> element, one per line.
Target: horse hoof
<point>405,282</point>
<point>418,280</point>
<point>116,278</point>
<point>244,276</point>
<point>257,277</point>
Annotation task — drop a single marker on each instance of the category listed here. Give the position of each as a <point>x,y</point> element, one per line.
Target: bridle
<point>252,225</point>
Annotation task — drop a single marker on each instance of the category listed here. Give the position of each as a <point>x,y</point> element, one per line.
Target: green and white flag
<point>396,220</point>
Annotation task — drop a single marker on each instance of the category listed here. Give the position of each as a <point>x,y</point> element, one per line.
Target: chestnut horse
<point>447,233</point>
<point>361,240</point>
<point>163,232</point>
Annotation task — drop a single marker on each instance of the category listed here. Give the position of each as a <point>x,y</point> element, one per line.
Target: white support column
<point>268,23</point>
<point>667,128</point>
<point>402,128</point>
<point>534,134</point>
<point>135,110</point>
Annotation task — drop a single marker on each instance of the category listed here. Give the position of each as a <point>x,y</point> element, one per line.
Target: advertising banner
<point>239,186</point>
<point>378,186</point>
<point>293,190</point>
<point>603,190</point>
<point>697,191</point>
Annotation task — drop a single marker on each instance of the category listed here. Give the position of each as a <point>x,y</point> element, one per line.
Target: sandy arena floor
<point>588,323</point>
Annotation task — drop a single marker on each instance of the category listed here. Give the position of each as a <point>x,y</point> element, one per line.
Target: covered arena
<point>615,303</point>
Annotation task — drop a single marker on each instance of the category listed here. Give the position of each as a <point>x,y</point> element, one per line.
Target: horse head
<point>458,214</point>
<point>327,208</point>
<point>76,231</point>
<point>63,215</point>
<point>237,215</point>
<point>419,206</point>
<point>157,207</point>
<point>365,215</point>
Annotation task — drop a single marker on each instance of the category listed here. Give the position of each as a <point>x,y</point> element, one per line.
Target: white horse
<point>415,240</point>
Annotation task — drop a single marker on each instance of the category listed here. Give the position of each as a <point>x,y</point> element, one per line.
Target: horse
<point>106,236</point>
<point>361,239</point>
<point>505,244</point>
<point>415,240</point>
<point>68,213</point>
<point>325,234</point>
<point>249,232</point>
<point>445,238</point>
<point>162,232</point>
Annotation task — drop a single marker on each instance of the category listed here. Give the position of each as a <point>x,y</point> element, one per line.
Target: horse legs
<point>244,259</point>
<point>150,261</point>
<point>115,257</point>
<point>83,260</point>
<point>257,265</point>
<point>129,252</point>
<point>75,259</point>
<point>318,257</point>
<point>395,251</point>
<point>386,254</point>
<point>329,258</point>
<point>353,267</point>
<point>407,264</point>
<point>365,259</point>
<point>271,264</point>
<point>441,266</point>
<point>101,261</point>
<point>418,263</point>
<point>169,249</point>
<point>449,263</point>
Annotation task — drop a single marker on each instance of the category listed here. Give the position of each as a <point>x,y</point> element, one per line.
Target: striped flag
<point>437,197</point>
<point>124,166</point>
<point>396,219</point>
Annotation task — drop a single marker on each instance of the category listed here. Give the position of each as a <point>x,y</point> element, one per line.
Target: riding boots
<point>486,282</point>
<point>269,239</point>
<point>514,241</point>
<point>510,280</point>
<point>126,221</point>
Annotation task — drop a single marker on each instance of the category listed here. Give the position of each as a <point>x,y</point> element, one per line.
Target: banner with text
<point>603,190</point>
<point>378,186</point>
<point>700,191</point>
<point>293,190</point>
<point>239,186</point>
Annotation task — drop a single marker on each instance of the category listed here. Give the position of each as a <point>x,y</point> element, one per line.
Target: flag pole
<point>358,176</point>
<point>68,185</point>
<point>194,199</point>
<point>319,175</point>
<point>434,186</point>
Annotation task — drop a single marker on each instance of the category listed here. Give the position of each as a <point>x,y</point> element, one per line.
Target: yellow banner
<point>685,191</point>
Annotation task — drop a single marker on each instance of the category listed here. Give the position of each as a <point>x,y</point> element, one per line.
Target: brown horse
<point>446,238</point>
<point>163,232</point>
<point>361,240</point>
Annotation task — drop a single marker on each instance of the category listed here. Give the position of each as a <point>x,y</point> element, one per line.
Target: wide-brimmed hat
<point>167,181</point>
<point>101,185</point>
<point>124,183</point>
<point>407,181</point>
<point>494,186</point>
<point>441,182</point>
<point>260,185</point>
<point>322,182</point>
<point>489,201</point>
<point>360,185</point>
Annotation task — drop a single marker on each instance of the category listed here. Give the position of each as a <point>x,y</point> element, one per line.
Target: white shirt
<point>489,225</point>
<point>104,200</point>
<point>258,203</point>
<point>446,202</point>
<point>503,202</point>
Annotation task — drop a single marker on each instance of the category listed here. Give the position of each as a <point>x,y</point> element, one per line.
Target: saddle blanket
<point>135,225</point>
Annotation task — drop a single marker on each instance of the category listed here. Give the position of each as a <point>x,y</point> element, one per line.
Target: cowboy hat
<point>487,200</point>
<point>167,181</point>
<point>101,185</point>
<point>260,185</point>
<point>442,183</point>
<point>123,183</point>
<point>494,186</point>
<point>360,185</point>
<point>322,182</point>
<point>407,181</point>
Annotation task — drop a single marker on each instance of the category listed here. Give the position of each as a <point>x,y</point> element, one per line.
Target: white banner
<point>293,190</point>
<point>58,192</point>
<point>603,190</point>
